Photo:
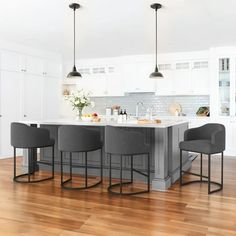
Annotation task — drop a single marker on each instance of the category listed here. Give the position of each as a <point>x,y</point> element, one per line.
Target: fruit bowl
<point>86,118</point>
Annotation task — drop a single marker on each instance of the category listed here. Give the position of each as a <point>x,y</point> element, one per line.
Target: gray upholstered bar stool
<point>76,139</point>
<point>31,138</point>
<point>124,142</point>
<point>208,139</point>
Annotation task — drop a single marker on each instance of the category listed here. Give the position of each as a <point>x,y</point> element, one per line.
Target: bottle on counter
<point>125,116</point>
<point>120,117</point>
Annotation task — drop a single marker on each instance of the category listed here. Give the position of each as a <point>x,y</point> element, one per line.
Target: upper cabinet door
<point>34,65</point>
<point>182,78</point>
<point>114,83</point>
<point>52,69</point>
<point>11,61</point>
<point>165,85</point>
<point>200,78</point>
<point>114,86</point>
<point>136,77</point>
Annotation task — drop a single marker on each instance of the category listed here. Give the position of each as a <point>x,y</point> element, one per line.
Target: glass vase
<point>79,113</point>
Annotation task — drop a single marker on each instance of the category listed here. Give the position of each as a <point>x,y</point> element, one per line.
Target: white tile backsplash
<point>160,104</point>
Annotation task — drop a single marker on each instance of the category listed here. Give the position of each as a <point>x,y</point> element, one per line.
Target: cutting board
<point>145,121</point>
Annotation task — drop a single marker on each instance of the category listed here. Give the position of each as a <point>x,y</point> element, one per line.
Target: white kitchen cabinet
<point>52,69</point>
<point>114,87</point>
<point>32,97</point>
<point>200,78</point>
<point>10,99</point>
<point>100,87</point>
<point>51,97</point>
<point>136,77</point>
<point>17,62</point>
<point>223,85</point>
<point>100,79</point>
<point>29,89</point>
<point>230,127</point>
<point>34,65</point>
<point>97,86</point>
<point>182,78</point>
<point>11,61</point>
<point>165,86</point>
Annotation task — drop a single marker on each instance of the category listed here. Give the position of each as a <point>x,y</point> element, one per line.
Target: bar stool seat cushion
<point>200,146</point>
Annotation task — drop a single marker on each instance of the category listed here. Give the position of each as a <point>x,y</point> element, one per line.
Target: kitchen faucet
<point>137,108</point>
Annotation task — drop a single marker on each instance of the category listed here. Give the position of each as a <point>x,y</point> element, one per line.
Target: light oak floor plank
<point>46,209</point>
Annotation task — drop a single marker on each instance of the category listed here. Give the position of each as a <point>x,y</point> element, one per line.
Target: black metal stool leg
<point>201,167</point>
<point>122,183</point>
<point>121,170</point>
<point>180,167</point>
<point>209,174</point>
<point>132,167</point>
<point>222,170</point>
<point>70,166</point>
<point>86,170</point>
<point>14,162</point>
<point>109,170</point>
<point>29,165</point>
<point>101,166</point>
<point>53,157</point>
<point>148,172</point>
<point>61,168</point>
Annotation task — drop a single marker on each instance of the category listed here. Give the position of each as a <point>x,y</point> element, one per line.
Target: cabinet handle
<point>25,115</point>
<point>0,116</point>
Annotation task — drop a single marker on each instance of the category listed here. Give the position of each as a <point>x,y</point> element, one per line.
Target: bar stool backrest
<point>213,132</point>
<point>24,136</point>
<point>124,141</point>
<point>72,138</point>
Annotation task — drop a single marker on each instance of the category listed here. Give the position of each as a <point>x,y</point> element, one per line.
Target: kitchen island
<point>163,138</point>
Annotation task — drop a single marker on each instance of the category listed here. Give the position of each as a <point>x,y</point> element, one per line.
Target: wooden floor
<point>45,209</point>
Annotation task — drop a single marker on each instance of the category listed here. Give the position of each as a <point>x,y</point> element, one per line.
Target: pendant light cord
<point>74,37</point>
<point>156,39</point>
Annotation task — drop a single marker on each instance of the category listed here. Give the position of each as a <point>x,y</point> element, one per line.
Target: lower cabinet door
<point>10,98</point>
<point>32,97</point>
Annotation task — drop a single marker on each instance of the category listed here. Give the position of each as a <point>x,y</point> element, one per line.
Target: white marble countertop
<point>165,123</point>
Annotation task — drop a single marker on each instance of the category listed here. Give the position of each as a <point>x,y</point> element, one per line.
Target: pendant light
<point>156,74</point>
<point>74,73</point>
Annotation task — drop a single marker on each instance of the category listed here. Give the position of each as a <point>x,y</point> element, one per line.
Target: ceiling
<point>118,27</point>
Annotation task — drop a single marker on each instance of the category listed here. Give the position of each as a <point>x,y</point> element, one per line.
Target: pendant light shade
<point>74,73</point>
<point>156,74</point>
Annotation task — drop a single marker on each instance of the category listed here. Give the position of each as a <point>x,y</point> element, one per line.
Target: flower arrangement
<point>80,99</point>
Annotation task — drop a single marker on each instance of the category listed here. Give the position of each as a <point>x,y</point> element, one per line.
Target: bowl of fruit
<point>87,117</point>
<point>96,118</point>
